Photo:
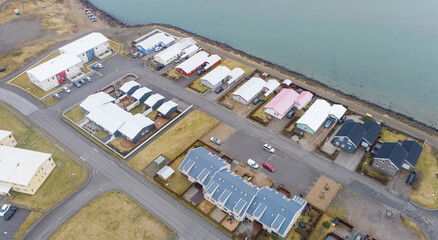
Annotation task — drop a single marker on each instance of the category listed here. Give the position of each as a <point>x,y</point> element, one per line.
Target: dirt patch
<point>323,192</point>
<point>217,214</point>
<point>205,206</point>
<point>126,143</point>
<point>221,131</point>
<point>311,142</point>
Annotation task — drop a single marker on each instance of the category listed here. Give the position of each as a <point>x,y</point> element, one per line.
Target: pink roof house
<point>282,103</point>
<point>302,100</point>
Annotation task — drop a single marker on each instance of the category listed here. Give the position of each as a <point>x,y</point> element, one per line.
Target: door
<point>90,54</point>
<point>60,77</point>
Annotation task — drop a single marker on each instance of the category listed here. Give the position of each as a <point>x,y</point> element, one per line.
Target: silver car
<point>252,163</point>
<point>216,140</point>
<point>269,148</point>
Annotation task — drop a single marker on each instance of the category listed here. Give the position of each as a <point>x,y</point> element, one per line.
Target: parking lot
<point>9,228</point>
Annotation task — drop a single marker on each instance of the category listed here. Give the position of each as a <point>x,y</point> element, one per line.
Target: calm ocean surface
<point>384,51</point>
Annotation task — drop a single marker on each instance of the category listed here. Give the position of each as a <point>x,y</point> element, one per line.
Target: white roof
<point>153,99</point>
<point>19,165</point>
<point>165,172</point>
<point>109,116</point>
<point>128,85</point>
<point>140,92</point>
<point>235,74</point>
<point>4,188</point>
<point>217,75</point>
<point>271,85</point>
<point>96,99</point>
<point>212,60</point>
<point>315,116</point>
<point>84,44</point>
<point>337,111</point>
<point>176,49</point>
<point>287,82</point>
<point>54,66</point>
<point>134,125</point>
<point>193,62</point>
<point>189,50</point>
<point>251,88</point>
<point>4,133</point>
<point>165,107</point>
<point>155,39</point>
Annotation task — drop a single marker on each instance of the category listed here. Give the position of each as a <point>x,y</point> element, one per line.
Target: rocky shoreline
<point>113,22</point>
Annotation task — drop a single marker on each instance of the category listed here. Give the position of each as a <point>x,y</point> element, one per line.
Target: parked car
<point>157,49</point>
<point>93,19</point>
<point>328,123</point>
<point>86,11</point>
<point>269,148</point>
<point>159,67</point>
<point>8,215</point>
<point>291,113</point>
<point>269,167</point>
<point>77,84</point>
<point>218,90</point>
<point>2,69</point>
<point>66,89</point>
<point>252,163</point>
<point>135,55</point>
<point>82,82</point>
<point>4,209</point>
<point>57,96</point>
<point>141,54</point>
<point>88,79</point>
<point>200,72</point>
<point>358,237</point>
<point>177,60</point>
<point>97,66</point>
<point>411,177</point>
<point>90,15</point>
<point>216,140</point>
<point>256,101</point>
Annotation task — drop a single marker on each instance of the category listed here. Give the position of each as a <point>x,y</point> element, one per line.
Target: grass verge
<point>172,74</point>
<point>414,226</point>
<point>128,220</point>
<point>231,64</point>
<point>33,216</point>
<point>76,114</point>
<point>197,86</point>
<point>49,101</point>
<point>390,136</point>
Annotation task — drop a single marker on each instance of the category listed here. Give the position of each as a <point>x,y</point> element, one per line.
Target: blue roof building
<point>373,130</point>
<point>414,151</point>
<point>390,157</point>
<point>349,136</point>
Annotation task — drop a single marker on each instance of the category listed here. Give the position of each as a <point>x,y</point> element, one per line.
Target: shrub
<point>326,224</point>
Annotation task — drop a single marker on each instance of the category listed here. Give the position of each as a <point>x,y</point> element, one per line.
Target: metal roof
<point>85,43</point>
<point>4,133</point>
<point>109,116</point>
<point>283,101</point>
<point>128,86</point>
<point>153,99</point>
<point>250,89</point>
<point>165,172</point>
<point>337,111</point>
<point>176,49</point>
<point>414,151</point>
<point>134,124</point>
<point>211,60</point>
<point>394,152</point>
<point>139,93</point>
<point>216,75</point>
<point>354,131</point>
<point>167,106</point>
<point>373,130</point>
<point>271,85</point>
<point>54,66</point>
<point>235,74</point>
<point>193,62</point>
<point>303,99</point>
<point>96,99</point>
<point>156,39</point>
<point>315,116</point>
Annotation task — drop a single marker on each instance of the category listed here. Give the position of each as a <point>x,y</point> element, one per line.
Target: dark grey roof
<point>392,151</point>
<point>352,130</point>
<point>372,131</point>
<point>414,151</point>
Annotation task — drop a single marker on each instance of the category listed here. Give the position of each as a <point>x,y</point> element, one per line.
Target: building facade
<point>90,46</point>
<point>7,139</point>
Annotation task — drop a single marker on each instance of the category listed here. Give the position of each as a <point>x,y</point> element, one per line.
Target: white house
<point>55,71</point>
<point>182,47</point>
<point>158,39</point>
<point>95,100</point>
<point>337,111</point>
<point>216,77</point>
<point>270,86</point>
<point>93,45</point>
<point>314,117</point>
<point>248,91</point>
<point>235,75</point>
<point>212,61</point>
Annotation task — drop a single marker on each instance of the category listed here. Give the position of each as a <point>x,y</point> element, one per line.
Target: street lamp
<point>433,195</point>
<point>74,176</point>
<point>7,236</point>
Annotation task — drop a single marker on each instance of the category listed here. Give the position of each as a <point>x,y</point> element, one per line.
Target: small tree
<point>326,224</point>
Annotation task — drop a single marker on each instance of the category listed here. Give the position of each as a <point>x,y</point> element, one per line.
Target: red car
<point>269,167</point>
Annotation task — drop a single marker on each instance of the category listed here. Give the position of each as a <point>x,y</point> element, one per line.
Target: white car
<point>269,148</point>
<point>216,140</point>
<point>157,49</point>
<point>4,209</point>
<point>252,163</point>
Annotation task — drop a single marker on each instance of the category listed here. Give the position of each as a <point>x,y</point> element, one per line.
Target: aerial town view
<point>195,120</point>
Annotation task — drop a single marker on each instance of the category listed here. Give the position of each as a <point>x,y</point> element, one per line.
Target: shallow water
<point>383,51</point>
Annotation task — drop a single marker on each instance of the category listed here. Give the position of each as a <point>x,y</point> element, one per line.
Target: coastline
<point>301,78</point>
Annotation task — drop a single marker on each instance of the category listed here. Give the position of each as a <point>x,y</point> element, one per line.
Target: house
<point>136,127</point>
<point>373,130</point>
<point>270,86</point>
<point>216,77</point>
<point>390,158</point>
<point>6,139</point>
<point>92,45</point>
<point>200,165</point>
<point>249,90</point>
<point>286,83</point>
<point>274,211</point>
<point>231,193</point>
<point>212,61</point>
<point>23,170</point>
<point>159,39</point>
<point>154,101</point>
<point>414,150</point>
<point>55,71</point>
<point>129,87</point>
<point>303,99</point>
<point>166,173</point>
<point>95,100</point>
<point>337,112</point>
<point>349,136</point>
<point>182,47</point>
<point>314,117</point>
<point>142,94</point>
<point>281,104</point>
<point>193,64</point>
<point>167,109</point>
<point>109,117</point>
<point>235,75</point>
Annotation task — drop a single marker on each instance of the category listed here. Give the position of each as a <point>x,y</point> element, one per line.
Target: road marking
<point>95,150</point>
<point>83,158</point>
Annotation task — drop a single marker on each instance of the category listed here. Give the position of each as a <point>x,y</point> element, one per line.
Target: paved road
<point>109,174</point>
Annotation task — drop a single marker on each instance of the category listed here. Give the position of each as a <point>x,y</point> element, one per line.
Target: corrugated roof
<point>414,151</point>
<point>193,62</point>
<point>128,86</point>
<point>235,74</point>
<point>303,99</point>
<point>165,172</point>
<point>283,101</point>
<point>176,49</point>
<point>250,89</point>
<point>85,43</point>
<point>109,116</point>
<point>134,124</point>
<point>270,86</point>
<point>354,131</point>
<point>211,60</point>
<point>373,130</point>
<point>315,116</point>
<point>165,107</point>
<point>392,151</point>
<point>216,75</point>
<point>54,66</point>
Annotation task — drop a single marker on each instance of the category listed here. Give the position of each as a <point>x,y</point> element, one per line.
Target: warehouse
<point>55,71</point>
<point>136,127</point>
<point>93,45</point>
<point>186,46</point>
<point>216,77</point>
<point>280,105</point>
<point>159,39</point>
<point>248,91</point>
<point>167,109</point>
<point>314,117</point>
<point>193,64</point>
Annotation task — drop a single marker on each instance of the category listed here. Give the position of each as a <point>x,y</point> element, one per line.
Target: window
<point>381,161</point>
<point>25,190</point>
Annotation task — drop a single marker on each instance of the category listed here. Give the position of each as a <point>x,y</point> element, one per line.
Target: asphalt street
<point>297,165</point>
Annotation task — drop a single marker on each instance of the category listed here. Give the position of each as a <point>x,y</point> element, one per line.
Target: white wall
<point>273,113</point>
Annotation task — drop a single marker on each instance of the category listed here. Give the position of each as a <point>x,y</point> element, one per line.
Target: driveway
<point>348,160</point>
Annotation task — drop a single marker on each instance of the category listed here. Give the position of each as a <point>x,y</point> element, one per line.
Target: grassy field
<point>176,139</point>
<point>178,183</point>
<point>390,136</point>
<point>137,109</point>
<point>320,231</point>
<point>428,164</point>
<point>76,114</point>
<point>414,226</point>
<point>128,220</point>
<point>197,86</point>
<point>231,64</point>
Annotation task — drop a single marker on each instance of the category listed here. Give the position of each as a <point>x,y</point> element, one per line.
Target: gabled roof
<point>153,99</point>
<point>251,88</point>
<point>156,39</point>
<point>270,86</point>
<point>216,75</point>
<point>193,62</point>
<point>354,131</point>
<point>337,111</point>
<point>393,152</point>
<point>303,99</point>
<point>373,130</point>
<point>109,116</point>
<point>54,66</point>
<point>283,101</point>
<point>134,125</point>
<point>165,172</point>
<point>139,93</point>
<point>96,99</point>
<point>235,74</point>
<point>414,151</point>
<point>167,106</point>
<point>85,43</point>
<point>128,86</point>
<point>176,49</point>
<point>189,51</point>
<point>211,60</point>
<point>315,116</point>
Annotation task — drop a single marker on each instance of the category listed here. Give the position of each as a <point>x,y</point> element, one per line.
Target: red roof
<point>283,101</point>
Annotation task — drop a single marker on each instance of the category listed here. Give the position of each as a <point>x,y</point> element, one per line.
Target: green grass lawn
<point>192,127</point>
<point>320,231</point>
<point>76,114</point>
<point>101,134</point>
<point>231,64</point>
<point>137,109</point>
<point>152,114</point>
<point>129,220</point>
<point>24,82</point>
<point>390,136</point>
<point>197,86</point>
<point>116,143</point>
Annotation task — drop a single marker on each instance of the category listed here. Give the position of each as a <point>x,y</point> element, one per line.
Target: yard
<point>366,168</point>
<point>121,149</point>
<point>178,184</point>
<point>176,139</point>
<point>197,86</point>
<point>320,231</point>
<point>172,74</point>
<point>390,136</point>
<point>128,220</point>
<point>427,166</point>
<point>231,64</point>
<point>75,114</point>
<point>137,109</point>
<point>205,206</point>
<point>260,113</point>
<point>24,82</point>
